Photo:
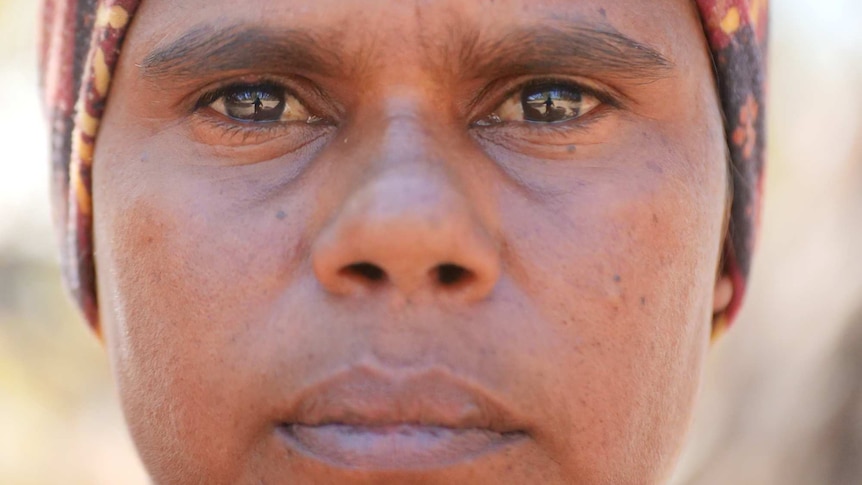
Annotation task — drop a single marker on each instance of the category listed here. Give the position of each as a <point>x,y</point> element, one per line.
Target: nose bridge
<point>411,131</point>
<point>409,187</point>
<point>412,174</point>
<point>408,226</point>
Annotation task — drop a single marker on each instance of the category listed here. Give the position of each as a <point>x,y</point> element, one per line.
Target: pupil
<point>255,104</point>
<point>551,104</point>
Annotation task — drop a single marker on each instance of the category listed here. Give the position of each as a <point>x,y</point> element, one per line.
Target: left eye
<point>258,103</point>
<point>544,103</point>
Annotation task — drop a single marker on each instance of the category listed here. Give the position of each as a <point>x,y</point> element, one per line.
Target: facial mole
<point>643,301</point>
<point>280,215</point>
<point>617,278</point>
<point>654,167</point>
<point>571,148</point>
<point>603,12</point>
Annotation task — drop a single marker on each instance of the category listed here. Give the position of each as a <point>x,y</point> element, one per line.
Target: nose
<point>411,232</point>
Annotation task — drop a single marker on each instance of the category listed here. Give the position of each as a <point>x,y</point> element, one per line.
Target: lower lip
<point>394,447</point>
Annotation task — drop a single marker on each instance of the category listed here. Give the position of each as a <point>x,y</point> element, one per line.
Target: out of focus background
<point>782,399</point>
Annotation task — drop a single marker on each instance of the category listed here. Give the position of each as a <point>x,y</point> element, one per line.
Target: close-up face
<point>352,241</point>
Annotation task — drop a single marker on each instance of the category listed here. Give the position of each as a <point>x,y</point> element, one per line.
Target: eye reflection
<point>258,103</point>
<point>550,105</point>
<point>544,103</point>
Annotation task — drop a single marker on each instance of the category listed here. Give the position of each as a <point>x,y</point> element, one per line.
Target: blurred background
<point>782,398</point>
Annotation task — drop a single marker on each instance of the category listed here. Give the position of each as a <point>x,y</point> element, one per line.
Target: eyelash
<point>211,96</point>
<point>602,95</point>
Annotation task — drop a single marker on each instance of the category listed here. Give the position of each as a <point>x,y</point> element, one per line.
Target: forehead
<point>380,34</point>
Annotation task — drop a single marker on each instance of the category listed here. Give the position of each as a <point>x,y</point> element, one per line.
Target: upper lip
<point>370,396</point>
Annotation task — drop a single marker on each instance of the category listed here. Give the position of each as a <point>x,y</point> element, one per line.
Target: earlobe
<point>96,327</point>
<point>722,295</point>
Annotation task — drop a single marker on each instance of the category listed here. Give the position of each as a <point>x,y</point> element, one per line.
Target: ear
<point>722,296</point>
<point>723,292</point>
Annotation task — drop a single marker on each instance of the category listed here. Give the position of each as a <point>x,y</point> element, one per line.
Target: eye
<point>260,103</point>
<point>544,103</point>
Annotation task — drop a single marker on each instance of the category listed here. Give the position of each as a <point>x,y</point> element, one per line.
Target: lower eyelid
<point>562,128</point>
<point>227,131</point>
<point>248,135</point>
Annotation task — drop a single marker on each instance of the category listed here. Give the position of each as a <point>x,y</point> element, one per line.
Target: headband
<point>80,45</point>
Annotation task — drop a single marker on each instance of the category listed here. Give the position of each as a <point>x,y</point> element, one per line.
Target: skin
<point>588,250</point>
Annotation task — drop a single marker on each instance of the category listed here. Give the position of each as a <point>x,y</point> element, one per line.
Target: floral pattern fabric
<point>737,34</point>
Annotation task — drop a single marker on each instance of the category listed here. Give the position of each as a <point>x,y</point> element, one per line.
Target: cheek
<point>622,267</point>
<point>183,276</point>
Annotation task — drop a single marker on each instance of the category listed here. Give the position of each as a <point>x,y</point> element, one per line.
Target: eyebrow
<point>559,45</point>
<point>207,50</point>
<point>550,47</point>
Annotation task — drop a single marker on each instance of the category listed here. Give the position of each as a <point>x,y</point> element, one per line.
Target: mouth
<point>395,447</point>
<point>366,418</point>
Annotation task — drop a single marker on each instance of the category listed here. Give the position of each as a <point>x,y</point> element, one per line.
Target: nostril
<point>366,271</point>
<point>451,274</point>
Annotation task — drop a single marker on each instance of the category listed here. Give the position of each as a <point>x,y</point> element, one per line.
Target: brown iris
<point>544,103</point>
<point>550,104</point>
<point>258,103</point>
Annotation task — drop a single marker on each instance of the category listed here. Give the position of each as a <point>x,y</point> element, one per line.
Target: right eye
<point>545,103</point>
<point>257,103</point>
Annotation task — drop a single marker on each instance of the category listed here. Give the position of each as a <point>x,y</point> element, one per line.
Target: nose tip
<point>400,235</point>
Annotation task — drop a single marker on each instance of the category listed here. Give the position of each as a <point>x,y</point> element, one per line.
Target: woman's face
<point>412,242</point>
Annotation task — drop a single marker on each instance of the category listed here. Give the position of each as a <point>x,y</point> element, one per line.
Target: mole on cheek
<point>654,167</point>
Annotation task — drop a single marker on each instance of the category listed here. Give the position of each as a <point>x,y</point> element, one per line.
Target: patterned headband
<point>81,42</point>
